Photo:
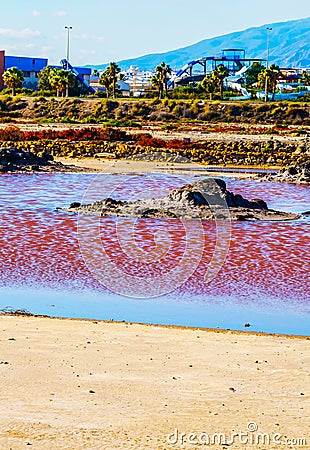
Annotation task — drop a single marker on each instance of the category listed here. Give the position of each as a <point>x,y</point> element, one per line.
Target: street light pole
<point>267,62</point>
<point>68,55</point>
<point>268,41</point>
<point>68,44</point>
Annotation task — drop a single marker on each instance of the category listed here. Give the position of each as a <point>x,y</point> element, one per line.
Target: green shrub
<point>7,119</point>
<point>169,127</point>
<point>67,119</point>
<point>6,98</point>
<point>155,102</point>
<point>105,107</point>
<point>46,120</point>
<point>43,93</point>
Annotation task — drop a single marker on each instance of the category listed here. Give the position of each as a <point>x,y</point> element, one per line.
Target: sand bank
<point>71,384</point>
<point>131,166</point>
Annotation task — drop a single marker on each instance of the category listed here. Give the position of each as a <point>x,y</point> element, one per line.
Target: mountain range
<point>289,47</point>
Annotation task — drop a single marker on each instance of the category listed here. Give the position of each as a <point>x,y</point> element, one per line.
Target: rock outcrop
<point>17,160</point>
<point>206,199</point>
<point>298,174</point>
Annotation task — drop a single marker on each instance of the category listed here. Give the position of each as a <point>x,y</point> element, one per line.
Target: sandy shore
<point>128,166</point>
<point>71,384</point>
<point>125,166</point>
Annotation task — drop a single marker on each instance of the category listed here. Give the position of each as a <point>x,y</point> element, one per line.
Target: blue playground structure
<point>66,65</point>
<point>234,82</point>
<point>284,95</point>
<point>233,59</point>
<point>237,64</point>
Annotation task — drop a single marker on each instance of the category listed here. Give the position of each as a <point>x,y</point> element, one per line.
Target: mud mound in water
<point>15,160</point>
<point>206,199</point>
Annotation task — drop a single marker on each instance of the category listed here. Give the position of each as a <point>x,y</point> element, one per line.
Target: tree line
<point>60,80</point>
<point>50,79</point>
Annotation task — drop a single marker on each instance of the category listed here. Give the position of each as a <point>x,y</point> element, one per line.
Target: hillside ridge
<point>289,47</point>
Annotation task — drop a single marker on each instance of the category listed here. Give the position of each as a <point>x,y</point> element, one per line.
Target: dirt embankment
<point>94,110</point>
<point>211,133</point>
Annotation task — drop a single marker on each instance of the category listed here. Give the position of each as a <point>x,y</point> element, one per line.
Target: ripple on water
<point>267,265</point>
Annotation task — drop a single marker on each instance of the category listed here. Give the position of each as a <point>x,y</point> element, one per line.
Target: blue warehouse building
<point>32,66</point>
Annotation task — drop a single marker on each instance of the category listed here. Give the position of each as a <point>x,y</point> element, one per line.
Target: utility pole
<point>68,56</point>
<point>68,44</point>
<point>267,62</point>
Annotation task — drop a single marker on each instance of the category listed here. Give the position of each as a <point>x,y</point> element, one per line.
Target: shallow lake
<point>149,270</point>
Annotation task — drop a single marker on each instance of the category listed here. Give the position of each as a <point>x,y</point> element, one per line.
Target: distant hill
<point>289,47</point>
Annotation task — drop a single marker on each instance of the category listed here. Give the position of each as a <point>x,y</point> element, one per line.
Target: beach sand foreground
<point>78,384</point>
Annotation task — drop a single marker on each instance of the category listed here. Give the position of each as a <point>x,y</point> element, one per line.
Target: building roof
<point>123,86</point>
<point>25,63</point>
<point>36,64</point>
<point>81,70</point>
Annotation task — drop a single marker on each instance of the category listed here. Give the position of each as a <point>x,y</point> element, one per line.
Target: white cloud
<point>9,47</point>
<point>100,39</point>
<point>61,13</point>
<point>83,36</point>
<point>18,34</point>
<point>46,51</point>
<point>88,52</point>
<point>36,13</point>
<point>46,48</point>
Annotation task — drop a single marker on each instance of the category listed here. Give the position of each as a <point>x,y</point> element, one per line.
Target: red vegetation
<point>146,140</point>
<point>71,134</point>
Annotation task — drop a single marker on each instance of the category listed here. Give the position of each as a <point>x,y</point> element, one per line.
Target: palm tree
<point>13,78</point>
<point>263,83</point>
<point>61,80</point>
<point>112,72</point>
<point>166,71</point>
<point>306,77</point>
<point>156,82</point>
<point>163,71</point>
<point>95,73</point>
<point>220,73</point>
<point>44,75</point>
<point>251,75</point>
<point>105,81</point>
<point>55,81</point>
<point>275,71</point>
<point>267,80</point>
<point>209,84</point>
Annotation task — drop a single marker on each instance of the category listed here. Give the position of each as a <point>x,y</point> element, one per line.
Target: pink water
<point>265,274</point>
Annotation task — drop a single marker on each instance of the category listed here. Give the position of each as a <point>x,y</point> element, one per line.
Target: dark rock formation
<point>206,199</point>
<point>17,160</point>
<point>298,174</point>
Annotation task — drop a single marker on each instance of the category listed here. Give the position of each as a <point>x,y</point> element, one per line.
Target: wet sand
<point>130,166</point>
<point>126,166</point>
<point>77,384</point>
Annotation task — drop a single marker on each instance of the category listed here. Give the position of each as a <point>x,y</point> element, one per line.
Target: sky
<point>105,30</point>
